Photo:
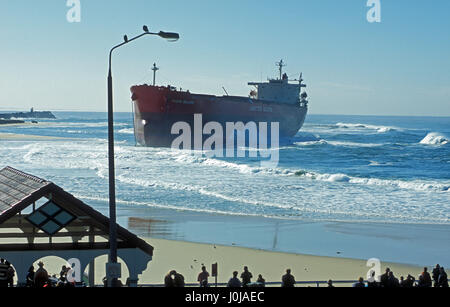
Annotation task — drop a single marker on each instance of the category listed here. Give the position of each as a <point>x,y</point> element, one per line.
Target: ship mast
<point>281,65</point>
<point>155,69</point>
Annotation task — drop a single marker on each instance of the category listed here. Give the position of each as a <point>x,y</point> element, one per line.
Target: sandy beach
<point>187,258</point>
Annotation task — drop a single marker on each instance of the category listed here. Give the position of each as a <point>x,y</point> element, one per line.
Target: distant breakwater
<point>34,115</point>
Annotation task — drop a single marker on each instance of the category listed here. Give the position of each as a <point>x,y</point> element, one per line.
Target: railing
<point>298,283</point>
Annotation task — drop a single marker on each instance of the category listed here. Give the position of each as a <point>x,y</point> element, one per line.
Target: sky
<point>399,66</point>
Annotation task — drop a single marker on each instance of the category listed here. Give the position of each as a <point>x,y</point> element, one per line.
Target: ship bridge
<point>280,90</point>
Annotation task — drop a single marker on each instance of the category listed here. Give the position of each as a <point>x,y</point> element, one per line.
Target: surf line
<point>235,132</point>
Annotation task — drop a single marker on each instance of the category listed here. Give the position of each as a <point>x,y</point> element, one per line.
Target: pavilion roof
<point>19,190</point>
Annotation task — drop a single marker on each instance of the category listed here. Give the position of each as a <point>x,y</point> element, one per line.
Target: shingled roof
<point>16,187</point>
<point>19,190</point>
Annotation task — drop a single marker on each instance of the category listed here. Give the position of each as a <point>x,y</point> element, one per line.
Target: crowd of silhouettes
<point>174,279</point>
<point>35,278</point>
<point>287,280</point>
<point>437,279</point>
<point>41,279</point>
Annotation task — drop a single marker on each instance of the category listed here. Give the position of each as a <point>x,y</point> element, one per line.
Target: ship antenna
<point>281,65</point>
<point>155,69</point>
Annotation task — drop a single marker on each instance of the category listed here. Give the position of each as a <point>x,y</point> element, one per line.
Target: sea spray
<point>434,138</point>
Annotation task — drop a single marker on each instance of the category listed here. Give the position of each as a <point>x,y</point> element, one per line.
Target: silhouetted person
<point>30,277</point>
<point>178,280</point>
<point>393,282</point>
<point>168,280</point>
<point>10,273</point>
<point>63,274</point>
<point>41,276</point>
<point>288,281</point>
<point>435,274</point>
<point>425,279</point>
<point>330,284</point>
<point>261,281</point>
<point>404,283</point>
<point>234,282</point>
<point>384,278</point>
<point>360,283</point>
<point>442,280</point>
<point>372,282</point>
<point>246,277</point>
<point>203,277</point>
<point>3,274</point>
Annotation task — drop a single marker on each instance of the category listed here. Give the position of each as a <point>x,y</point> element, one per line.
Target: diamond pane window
<point>51,227</point>
<point>50,208</point>
<point>50,218</point>
<point>63,218</point>
<point>37,218</point>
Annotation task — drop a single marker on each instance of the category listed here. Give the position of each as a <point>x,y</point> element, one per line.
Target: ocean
<point>353,186</point>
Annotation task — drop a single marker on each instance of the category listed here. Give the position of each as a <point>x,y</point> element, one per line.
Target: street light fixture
<point>112,188</point>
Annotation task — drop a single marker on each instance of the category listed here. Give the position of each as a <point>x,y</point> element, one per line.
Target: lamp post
<point>112,188</point>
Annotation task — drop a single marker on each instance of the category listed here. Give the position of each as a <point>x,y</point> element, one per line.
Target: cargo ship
<point>157,108</point>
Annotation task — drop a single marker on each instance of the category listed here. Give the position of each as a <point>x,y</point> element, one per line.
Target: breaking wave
<point>400,184</point>
<point>337,143</point>
<point>379,129</point>
<point>434,138</point>
<point>417,185</point>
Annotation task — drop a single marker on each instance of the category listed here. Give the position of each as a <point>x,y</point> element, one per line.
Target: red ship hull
<point>156,109</point>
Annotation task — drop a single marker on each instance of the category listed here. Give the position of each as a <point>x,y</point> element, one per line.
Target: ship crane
<point>299,80</point>
<point>303,95</point>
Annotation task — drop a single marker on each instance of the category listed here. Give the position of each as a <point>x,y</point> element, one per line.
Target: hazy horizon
<point>309,113</point>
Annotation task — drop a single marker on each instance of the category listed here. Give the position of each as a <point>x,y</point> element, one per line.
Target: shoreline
<point>391,243</point>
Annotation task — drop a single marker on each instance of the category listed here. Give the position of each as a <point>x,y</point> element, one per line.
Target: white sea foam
<point>127,131</point>
<point>274,192</point>
<point>401,184</point>
<point>311,143</point>
<point>416,185</point>
<point>435,138</point>
<point>379,129</point>
<point>337,143</point>
<point>354,144</point>
<point>375,163</point>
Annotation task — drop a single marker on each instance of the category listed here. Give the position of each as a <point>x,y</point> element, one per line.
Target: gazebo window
<point>50,218</point>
